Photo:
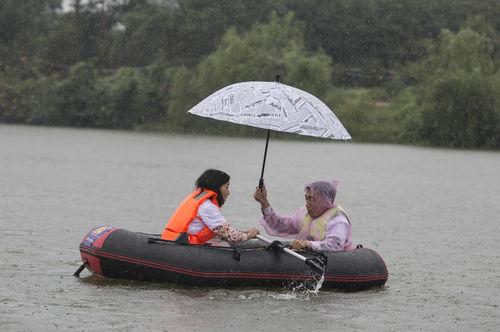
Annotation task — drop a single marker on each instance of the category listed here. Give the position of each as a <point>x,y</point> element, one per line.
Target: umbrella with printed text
<point>279,107</point>
<point>272,106</point>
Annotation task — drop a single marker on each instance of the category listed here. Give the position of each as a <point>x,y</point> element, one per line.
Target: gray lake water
<point>432,214</point>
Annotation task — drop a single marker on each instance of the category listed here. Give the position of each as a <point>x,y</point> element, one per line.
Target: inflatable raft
<point>117,253</point>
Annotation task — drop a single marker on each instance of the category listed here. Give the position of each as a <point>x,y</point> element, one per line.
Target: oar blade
<point>316,265</point>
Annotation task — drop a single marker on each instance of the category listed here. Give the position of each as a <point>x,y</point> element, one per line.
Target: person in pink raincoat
<point>320,225</point>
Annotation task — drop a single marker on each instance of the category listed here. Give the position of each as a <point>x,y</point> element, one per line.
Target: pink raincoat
<point>329,231</point>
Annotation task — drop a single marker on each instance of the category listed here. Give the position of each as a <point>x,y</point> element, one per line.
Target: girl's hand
<point>252,233</point>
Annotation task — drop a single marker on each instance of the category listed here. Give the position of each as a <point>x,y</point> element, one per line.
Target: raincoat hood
<point>323,196</point>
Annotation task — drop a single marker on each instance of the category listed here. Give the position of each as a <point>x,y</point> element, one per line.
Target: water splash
<point>303,290</point>
<point>319,284</point>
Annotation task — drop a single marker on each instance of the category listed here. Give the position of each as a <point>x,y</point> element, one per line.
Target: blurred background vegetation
<point>394,71</point>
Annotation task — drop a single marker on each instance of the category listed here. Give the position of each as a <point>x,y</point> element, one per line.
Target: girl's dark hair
<point>213,179</point>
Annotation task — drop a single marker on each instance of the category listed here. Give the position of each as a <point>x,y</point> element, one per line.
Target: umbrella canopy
<point>274,106</point>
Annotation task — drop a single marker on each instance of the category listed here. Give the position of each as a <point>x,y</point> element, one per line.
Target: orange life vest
<point>185,214</point>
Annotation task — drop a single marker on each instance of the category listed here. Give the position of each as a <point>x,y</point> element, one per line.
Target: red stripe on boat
<point>196,273</point>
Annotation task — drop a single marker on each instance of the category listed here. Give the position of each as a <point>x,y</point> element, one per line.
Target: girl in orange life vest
<point>198,218</point>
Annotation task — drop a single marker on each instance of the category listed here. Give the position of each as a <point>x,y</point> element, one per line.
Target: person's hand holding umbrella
<point>279,107</point>
<point>272,106</point>
<point>260,195</point>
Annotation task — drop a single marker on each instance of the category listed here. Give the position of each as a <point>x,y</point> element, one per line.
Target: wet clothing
<point>331,231</point>
<point>186,213</point>
<point>199,216</point>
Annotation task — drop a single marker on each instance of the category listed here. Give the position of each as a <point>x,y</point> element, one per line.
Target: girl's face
<point>224,190</point>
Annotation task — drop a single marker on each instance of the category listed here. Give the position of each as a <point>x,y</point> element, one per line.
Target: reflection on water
<point>431,213</point>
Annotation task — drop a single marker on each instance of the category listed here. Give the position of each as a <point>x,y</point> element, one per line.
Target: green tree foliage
<point>144,36</point>
<point>202,23</point>
<point>459,102</point>
<point>29,101</point>
<point>370,117</point>
<point>58,46</point>
<point>466,50</point>
<point>129,98</point>
<point>19,23</point>
<point>77,102</point>
<point>261,53</point>
<point>355,31</point>
<point>461,112</point>
<point>118,64</point>
<point>77,36</point>
<point>375,35</point>
<point>87,98</point>
<point>256,55</point>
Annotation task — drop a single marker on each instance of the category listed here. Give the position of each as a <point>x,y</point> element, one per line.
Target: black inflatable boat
<point>117,253</point>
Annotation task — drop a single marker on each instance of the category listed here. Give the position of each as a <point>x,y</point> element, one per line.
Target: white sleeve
<point>210,214</point>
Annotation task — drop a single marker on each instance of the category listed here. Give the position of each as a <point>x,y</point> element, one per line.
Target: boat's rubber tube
<point>118,253</point>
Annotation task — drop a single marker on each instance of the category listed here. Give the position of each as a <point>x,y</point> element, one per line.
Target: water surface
<point>431,213</point>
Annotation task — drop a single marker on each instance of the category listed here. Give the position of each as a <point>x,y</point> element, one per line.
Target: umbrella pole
<point>261,181</point>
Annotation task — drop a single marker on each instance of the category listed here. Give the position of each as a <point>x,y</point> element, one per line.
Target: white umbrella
<point>272,106</point>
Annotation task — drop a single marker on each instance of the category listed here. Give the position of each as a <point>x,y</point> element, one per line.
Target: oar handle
<point>293,253</point>
<point>266,240</point>
<point>288,251</point>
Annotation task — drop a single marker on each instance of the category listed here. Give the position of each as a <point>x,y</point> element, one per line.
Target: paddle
<point>316,264</point>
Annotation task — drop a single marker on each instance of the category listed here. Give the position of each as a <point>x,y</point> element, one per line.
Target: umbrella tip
<point>277,78</point>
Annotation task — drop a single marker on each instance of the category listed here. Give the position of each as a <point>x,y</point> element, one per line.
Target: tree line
<point>401,71</point>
